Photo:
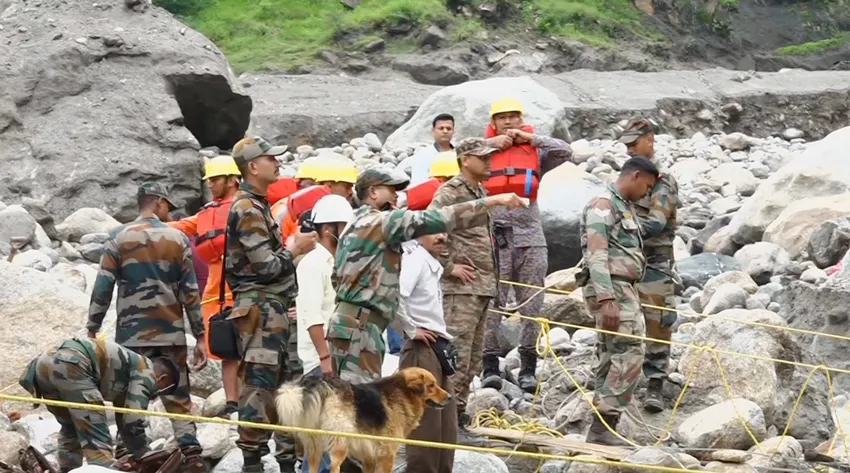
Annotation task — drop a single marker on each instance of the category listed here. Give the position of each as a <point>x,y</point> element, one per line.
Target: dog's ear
<point>418,384</point>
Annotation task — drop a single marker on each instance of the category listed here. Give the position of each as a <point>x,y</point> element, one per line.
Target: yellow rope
<point>703,315</point>
<point>359,436</point>
<point>489,418</point>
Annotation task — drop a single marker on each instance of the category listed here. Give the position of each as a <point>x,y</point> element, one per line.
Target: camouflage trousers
<point>620,358</point>
<point>296,368</point>
<point>357,348</point>
<point>657,289</point>
<point>68,375</point>
<point>525,265</point>
<point>263,325</point>
<point>180,401</point>
<point>466,317</point>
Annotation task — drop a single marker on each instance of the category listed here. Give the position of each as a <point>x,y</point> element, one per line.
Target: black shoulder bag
<point>224,338</point>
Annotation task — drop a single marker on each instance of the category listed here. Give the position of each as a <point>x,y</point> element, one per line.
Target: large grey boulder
<point>470,103</point>
<point>811,174</point>
<point>564,192</point>
<point>98,98</point>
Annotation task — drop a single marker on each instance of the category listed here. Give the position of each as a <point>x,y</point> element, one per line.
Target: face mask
<point>386,207</point>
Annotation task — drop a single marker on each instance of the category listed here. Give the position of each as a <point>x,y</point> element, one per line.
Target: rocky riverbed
<point>760,222</point>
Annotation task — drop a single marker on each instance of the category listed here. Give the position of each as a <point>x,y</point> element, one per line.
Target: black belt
<point>512,171</point>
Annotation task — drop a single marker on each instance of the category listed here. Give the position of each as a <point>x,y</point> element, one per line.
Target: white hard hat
<point>332,208</point>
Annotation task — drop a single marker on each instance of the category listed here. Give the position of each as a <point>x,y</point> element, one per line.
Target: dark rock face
<point>95,99</point>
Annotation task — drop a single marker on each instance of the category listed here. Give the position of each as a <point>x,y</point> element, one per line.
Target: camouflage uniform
<point>367,270</point>
<point>613,255</point>
<point>152,265</point>
<point>91,372</point>
<point>523,258</point>
<point>261,274</point>
<point>657,216</point>
<point>465,305</point>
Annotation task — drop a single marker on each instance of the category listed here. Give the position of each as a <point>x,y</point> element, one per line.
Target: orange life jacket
<point>516,169</point>
<point>305,200</point>
<point>212,221</point>
<point>284,187</point>
<point>419,197</point>
<point>278,210</point>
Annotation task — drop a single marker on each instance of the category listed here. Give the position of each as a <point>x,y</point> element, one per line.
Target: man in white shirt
<point>428,346</point>
<point>443,130</point>
<point>315,300</point>
<point>316,296</point>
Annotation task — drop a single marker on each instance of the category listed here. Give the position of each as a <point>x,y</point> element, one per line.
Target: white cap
<point>332,208</point>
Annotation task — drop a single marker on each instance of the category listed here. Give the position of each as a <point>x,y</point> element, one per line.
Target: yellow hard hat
<point>308,169</point>
<point>221,166</point>
<point>444,165</point>
<point>506,105</point>
<point>335,168</point>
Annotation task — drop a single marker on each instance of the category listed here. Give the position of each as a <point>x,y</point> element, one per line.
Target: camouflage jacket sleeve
<point>190,295</point>
<point>599,221</point>
<point>403,225</point>
<point>140,389</point>
<point>662,207</point>
<point>552,151</point>
<point>254,237</point>
<point>443,198</point>
<point>104,285</point>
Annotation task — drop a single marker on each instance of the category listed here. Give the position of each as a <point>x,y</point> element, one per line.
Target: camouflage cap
<point>475,147</point>
<point>251,148</point>
<point>380,177</point>
<point>636,128</point>
<point>157,189</point>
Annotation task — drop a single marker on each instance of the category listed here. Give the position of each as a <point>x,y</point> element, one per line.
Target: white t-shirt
<point>421,295</point>
<point>314,302</point>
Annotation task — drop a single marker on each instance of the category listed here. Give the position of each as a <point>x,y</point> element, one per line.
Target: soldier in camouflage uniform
<point>613,264</point>
<point>657,216</point>
<point>522,252</point>
<point>469,278</point>
<point>152,265</point>
<point>367,266</point>
<point>261,274</point>
<point>90,372</point>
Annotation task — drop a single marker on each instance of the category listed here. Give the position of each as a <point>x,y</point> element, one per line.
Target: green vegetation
<point>815,47</point>
<point>595,22</point>
<point>283,34</point>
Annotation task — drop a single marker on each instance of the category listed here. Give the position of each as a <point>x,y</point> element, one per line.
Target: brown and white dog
<point>391,407</point>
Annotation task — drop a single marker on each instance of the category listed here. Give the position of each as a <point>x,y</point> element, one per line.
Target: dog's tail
<point>299,403</point>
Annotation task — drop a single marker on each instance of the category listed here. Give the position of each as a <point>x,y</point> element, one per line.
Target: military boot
<point>192,461</point>
<point>252,462</point>
<point>286,466</point>
<point>528,372</point>
<point>464,436</point>
<point>492,376</point>
<point>654,401</point>
<point>599,434</point>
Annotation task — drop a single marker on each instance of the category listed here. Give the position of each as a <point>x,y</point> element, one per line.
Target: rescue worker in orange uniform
<point>306,177</point>
<point>207,227</point>
<point>443,168</point>
<point>279,192</point>
<point>335,174</point>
